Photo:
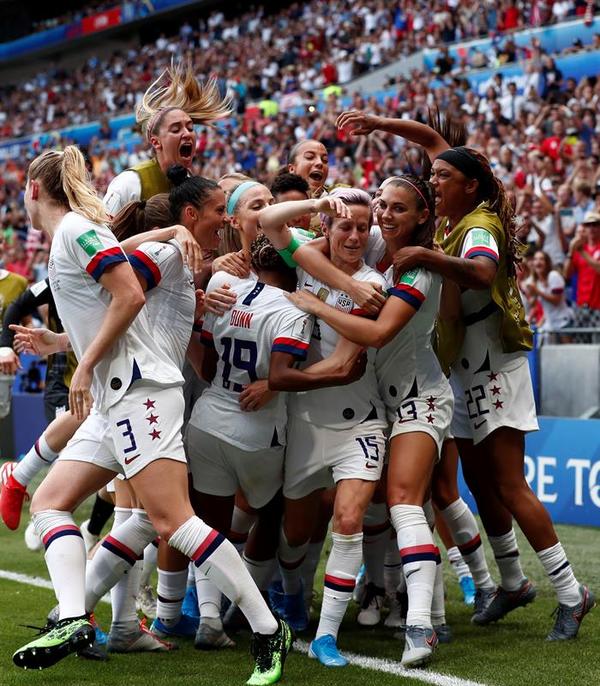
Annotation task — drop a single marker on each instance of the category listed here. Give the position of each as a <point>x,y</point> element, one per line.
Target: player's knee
<point>348,520</point>
<point>402,494</point>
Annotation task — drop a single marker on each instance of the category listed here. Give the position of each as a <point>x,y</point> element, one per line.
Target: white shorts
<point>317,457</point>
<point>219,468</point>
<point>145,425</point>
<point>430,414</point>
<point>499,396</point>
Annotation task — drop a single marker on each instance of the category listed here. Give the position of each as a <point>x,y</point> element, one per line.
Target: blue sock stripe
<point>118,552</point>
<point>556,571</point>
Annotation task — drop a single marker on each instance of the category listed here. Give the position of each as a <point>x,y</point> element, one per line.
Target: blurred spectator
<point>547,285</point>
<point>583,261</point>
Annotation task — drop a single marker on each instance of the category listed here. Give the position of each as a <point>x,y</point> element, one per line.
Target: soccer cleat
<point>325,650</point>
<point>185,627</point>
<point>98,649</point>
<point>89,540</point>
<point>68,636</point>
<point>569,618</point>
<point>443,632</point>
<point>145,602</point>
<point>467,586</point>
<point>139,641</point>
<point>294,611</point>
<point>370,612</point>
<point>503,602</point>
<point>190,603</point>
<point>32,540</point>
<point>420,642</point>
<point>483,598</point>
<point>361,582</point>
<point>209,637</point>
<point>269,652</point>
<point>12,496</point>
<point>276,596</point>
<point>396,618</point>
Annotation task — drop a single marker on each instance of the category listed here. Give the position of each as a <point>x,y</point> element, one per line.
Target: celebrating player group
<point>254,365</point>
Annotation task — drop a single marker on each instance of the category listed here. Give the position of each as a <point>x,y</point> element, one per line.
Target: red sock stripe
<point>336,583</point>
<point>59,531</point>
<point>120,549</point>
<point>207,547</point>
<point>418,553</point>
<point>470,546</point>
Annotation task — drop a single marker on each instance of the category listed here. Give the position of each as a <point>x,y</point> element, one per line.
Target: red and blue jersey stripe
<point>59,532</point>
<point>146,267</point>
<point>418,553</point>
<point>482,251</point>
<point>410,295</point>
<point>290,345</point>
<point>119,549</point>
<point>103,259</point>
<point>207,547</point>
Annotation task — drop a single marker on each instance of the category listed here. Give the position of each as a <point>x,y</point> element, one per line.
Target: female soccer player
<point>135,427</point>
<point>486,346</point>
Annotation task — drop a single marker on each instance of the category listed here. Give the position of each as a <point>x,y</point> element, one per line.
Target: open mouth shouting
<point>186,151</point>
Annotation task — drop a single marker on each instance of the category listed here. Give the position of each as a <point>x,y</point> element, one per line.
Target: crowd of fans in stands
<point>544,144</point>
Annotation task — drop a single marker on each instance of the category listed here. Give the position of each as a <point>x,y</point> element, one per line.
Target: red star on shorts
<point>431,403</point>
<point>153,418</point>
<point>149,404</point>
<point>498,404</point>
<point>429,418</point>
<point>492,376</point>
<point>155,434</point>
<point>495,390</point>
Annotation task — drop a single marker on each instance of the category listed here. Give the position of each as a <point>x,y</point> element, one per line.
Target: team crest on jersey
<point>90,242</point>
<point>322,294</point>
<point>344,303</point>
<point>409,277</point>
<point>480,237</point>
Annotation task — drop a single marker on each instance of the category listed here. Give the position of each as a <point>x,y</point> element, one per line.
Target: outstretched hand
<point>357,123</point>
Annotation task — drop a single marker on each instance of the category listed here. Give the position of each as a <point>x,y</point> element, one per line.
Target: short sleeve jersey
<point>262,321</point>
<point>556,316</point>
<point>81,252</point>
<point>122,189</point>
<point>170,295</point>
<point>407,367</point>
<point>337,408</point>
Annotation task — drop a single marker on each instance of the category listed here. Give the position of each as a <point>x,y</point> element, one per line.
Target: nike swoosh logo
<point>479,424</point>
<point>371,466</point>
<point>129,460</point>
<point>432,641</point>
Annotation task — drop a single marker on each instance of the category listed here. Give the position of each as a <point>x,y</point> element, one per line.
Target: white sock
<point>340,578</point>
<point>216,556</point>
<point>376,530</point>
<point>465,533</point>
<point>460,567</point>
<point>438,603</point>
<point>40,455</point>
<point>308,569</point>
<point>261,571</point>
<point>418,554</point>
<point>392,568</point>
<point>290,563</point>
<point>508,560</point>
<point>241,523</point>
<point>123,596</point>
<point>117,553</point>
<point>65,558</point>
<point>170,593</point>
<point>209,596</point>
<point>150,559</point>
<point>557,567</point>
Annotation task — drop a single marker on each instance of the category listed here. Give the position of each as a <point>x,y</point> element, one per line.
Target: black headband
<point>464,161</point>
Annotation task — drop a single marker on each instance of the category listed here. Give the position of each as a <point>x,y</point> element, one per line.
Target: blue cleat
<point>185,627</point>
<point>325,650</point>
<point>467,586</point>
<point>276,597</point>
<point>294,611</point>
<point>190,603</point>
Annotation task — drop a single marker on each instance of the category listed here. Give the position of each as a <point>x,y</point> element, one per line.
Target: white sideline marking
<point>374,663</point>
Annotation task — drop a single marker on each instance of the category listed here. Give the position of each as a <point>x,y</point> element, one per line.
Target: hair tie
<point>237,193</point>
<point>142,204</point>
<point>463,160</point>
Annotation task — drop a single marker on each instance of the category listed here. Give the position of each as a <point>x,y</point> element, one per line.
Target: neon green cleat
<point>68,636</point>
<point>269,652</point>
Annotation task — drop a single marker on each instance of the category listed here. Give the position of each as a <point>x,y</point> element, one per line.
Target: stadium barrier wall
<point>562,466</point>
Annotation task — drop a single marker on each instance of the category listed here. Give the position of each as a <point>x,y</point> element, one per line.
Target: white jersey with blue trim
<point>80,253</point>
<point>262,321</point>
<point>407,366</point>
<point>170,295</point>
<point>337,408</point>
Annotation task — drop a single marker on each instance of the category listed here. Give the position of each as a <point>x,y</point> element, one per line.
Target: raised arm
<point>358,123</point>
<point>192,252</point>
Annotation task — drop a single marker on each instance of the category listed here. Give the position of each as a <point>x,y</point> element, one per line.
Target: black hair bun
<point>177,174</point>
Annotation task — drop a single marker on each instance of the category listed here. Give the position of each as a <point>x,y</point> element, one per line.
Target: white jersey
<point>337,408</point>
<point>262,321</point>
<point>376,248</point>
<point>170,295</point>
<point>80,253</point>
<point>124,188</point>
<point>407,366</point>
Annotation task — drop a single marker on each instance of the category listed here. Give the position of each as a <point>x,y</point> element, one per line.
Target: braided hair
<point>264,257</point>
